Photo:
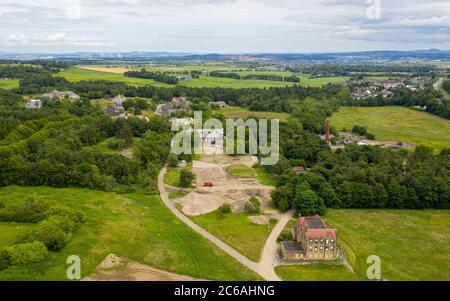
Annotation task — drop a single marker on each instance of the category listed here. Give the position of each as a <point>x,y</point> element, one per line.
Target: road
<point>264,268</point>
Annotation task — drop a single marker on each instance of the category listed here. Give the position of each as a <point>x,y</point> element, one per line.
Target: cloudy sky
<point>224,26</point>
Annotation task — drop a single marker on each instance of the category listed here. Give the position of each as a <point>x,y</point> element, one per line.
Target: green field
<point>9,83</point>
<point>320,81</point>
<point>237,230</point>
<point>238,112</point>
<point>220,82</point>
<point>138,227</point>
<point>74,74</point>
<point>396,124</point>
<point>314,272</point>
<point>412,244</point>
<point>10,231</point>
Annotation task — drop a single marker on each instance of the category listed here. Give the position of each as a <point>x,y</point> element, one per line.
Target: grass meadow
<point>396,124</point>
<point>138,227</point>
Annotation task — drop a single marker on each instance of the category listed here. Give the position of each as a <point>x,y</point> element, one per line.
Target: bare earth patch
<point>226,188</point>
<point>114,268</point>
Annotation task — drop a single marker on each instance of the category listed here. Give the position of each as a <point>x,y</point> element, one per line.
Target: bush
<point>186,178</point>
<point>116,144</point>
<point>30,211</point>
<point>172,160</point>
<point>4,259</point>
<point>370,136</point>
<point>49,234</point>
<point>252,205</point>
<point>360,130</point>
<point>225,208</point>
<point>21,254</point>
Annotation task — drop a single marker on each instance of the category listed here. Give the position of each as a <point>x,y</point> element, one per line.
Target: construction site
<point>215,186</point>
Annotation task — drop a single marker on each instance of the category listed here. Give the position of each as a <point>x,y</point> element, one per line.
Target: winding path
<point>264,268</point>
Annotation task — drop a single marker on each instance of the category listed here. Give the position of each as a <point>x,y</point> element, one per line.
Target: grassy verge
<point>314,272</point>
<point>397,124</point>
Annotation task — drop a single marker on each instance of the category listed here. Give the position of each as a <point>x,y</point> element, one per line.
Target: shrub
<point>370,136</point>
<point>48,233</point>
<point>360,130</point>
<point>4,259</point>
<point>225,208</point>
<point>172,160</point>
<point>30,211</point>
<point>186,178</point>
<point>252,205</point>
<point>21,254</point>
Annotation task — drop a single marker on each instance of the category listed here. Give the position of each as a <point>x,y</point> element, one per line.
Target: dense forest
<point>156,76</point>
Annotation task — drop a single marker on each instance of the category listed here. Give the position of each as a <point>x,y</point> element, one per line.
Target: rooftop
<point>292,246</point>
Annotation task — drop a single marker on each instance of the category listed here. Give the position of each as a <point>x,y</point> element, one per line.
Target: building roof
<point>321,233</point>
<point>316,227</point>
<point>313,222</point>
<point>292,246</point>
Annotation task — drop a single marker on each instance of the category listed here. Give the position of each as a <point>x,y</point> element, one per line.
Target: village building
<point>217,104</point>
<point>313,240</point>
<point>298,169</point>
<point>61,95</point>
<point>116,109</point>
<point>176,106</point>
<point>34,104</point>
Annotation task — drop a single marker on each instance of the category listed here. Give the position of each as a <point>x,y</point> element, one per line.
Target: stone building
<point>313,240</point>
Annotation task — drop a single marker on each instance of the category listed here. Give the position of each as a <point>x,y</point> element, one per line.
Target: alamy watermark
<point>73,11</point>
<point>73,272</point>
<point>374,10</point>
<point>374,270</point>
<point>240,137</point>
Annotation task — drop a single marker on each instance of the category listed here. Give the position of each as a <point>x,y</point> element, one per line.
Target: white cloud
<point>54,39</point>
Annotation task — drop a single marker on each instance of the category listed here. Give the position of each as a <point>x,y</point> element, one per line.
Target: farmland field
<point>136,226</point>
<point>314,272</point>
<point>9,83</point>
<point>237,230</point>
<point>220,82</point>
<point>74,74</point>
<point>412,244</point>
<point>238,112</point>
<point>396,124</point>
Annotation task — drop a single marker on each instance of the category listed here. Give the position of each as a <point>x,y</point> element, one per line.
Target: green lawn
<point>320,81</point>
<point>240,171</point>
<point>135,226</point>
<point>9,83</point>
<point>264,177</point>
<point>238,112</point>
<point>237,230</point>
<point>74,74</point>
<point>10,231</point>
<point>314,272</point>
<point>412,244</point>
<point>396,124</point>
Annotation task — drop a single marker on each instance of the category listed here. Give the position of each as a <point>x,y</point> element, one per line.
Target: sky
<point>223,26</point>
